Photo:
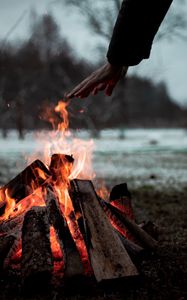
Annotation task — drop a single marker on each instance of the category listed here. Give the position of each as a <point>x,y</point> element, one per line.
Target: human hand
<point>105,78</point>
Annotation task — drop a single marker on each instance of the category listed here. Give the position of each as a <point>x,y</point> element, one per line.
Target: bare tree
<point>100,15</point>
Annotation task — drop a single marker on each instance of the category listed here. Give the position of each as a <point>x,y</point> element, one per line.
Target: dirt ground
<point>163,275</point>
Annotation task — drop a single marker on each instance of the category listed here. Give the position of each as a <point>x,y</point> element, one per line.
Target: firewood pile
<point>42,237</point>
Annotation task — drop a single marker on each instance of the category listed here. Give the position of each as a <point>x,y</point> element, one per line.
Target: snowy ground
<point>142,157</point>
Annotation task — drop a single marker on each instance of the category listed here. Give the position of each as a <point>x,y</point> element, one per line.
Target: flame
<point>13,209</point>
<point>55,246</point>
<point>61,108</point>
<point>10,206</point>
<point>59,140</point>
<point>40,173</point>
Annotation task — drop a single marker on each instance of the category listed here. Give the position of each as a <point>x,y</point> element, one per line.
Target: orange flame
<point>10,206</point>
<point>13,209</point>
<point>60,140</point>
<point>40,173</point>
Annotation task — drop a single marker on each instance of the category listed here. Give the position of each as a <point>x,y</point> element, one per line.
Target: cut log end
<point>37,263</point>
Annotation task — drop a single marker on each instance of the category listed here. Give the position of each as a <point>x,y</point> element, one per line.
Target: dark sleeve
<point>137,23</point>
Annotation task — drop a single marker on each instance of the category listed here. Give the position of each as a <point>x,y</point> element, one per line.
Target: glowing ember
<point>55,246</point>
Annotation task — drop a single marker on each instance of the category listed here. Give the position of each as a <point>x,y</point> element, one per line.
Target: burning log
<point>6,243</point>
<point>120,197</point>
<point>108,257</point>
<point>37,261</point>
<point>124,222</point>
<point>11,224</point>
<point>72,260</point>
<point>119,191</point>
<point>135,251</point>
<point>24,183</point>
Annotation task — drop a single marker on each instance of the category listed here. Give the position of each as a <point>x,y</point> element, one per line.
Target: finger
<point>109,89</point>
<point>99,87</point>
<point>84,93</point>
<point>90,83</point>
<point>95,91</point>
<point>78,87</point>
<point>89,87</point>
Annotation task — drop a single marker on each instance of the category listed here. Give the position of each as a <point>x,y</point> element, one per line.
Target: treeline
<point>35,75</point>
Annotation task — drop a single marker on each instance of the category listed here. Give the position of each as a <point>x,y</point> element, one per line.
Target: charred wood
<point>37,263</point>
<point>119,191</point>
<point>135,251</point>
<point>24,183</point>
<point>11,224</point>
<point>72,260</point>
<point>6,243</point>
<point>108,256</point>
<point>120,197</point>
<point>152,229</point>
<point>124,222</point>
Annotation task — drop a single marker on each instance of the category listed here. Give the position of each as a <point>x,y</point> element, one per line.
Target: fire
<point>10,206</point>
<point>59,141</point>
<point>61,108</point>
<point>40,173</point>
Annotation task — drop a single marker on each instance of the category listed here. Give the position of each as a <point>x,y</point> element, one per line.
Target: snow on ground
<point>137,156</point>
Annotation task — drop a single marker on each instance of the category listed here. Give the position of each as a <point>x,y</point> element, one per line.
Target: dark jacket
<point>137,23</point>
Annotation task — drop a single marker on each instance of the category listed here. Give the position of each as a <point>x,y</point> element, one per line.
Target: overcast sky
<point>168,60</point>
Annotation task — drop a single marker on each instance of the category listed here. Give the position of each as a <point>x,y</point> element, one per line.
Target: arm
<point>136,26</point>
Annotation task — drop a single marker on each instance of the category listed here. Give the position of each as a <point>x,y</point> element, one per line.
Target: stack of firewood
<point>111,237</point>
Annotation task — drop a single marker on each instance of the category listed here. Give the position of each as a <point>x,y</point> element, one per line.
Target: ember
<point>52,221</point>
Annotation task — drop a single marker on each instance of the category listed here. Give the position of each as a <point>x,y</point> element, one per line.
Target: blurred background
<point>46,47</point>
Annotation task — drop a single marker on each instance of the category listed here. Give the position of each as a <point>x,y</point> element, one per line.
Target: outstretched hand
<point>103,79</point>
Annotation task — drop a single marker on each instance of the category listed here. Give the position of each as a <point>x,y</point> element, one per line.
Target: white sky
<point>168,60</point>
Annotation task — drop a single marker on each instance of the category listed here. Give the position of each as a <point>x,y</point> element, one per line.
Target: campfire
<point>54,223</point>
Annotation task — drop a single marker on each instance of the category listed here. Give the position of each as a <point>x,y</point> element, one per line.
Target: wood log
<point>124,222</point>
<point>37,262</point>
<point>152,229</point>
<point>10,225</point>
<point>24,183</point>
<point>120,197</point>
<point>135,251</point>
<point>72,260</point>
<point>6,243</point>
<point>108,257</point>
<point>118,191</point>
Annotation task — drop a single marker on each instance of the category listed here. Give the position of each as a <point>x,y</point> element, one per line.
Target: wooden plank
<point>135,251</point>
<point>124,222</point>
<point>24,183</point>
<point>72,260</point>
<point>37,262</point>
<point>108,257</point>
